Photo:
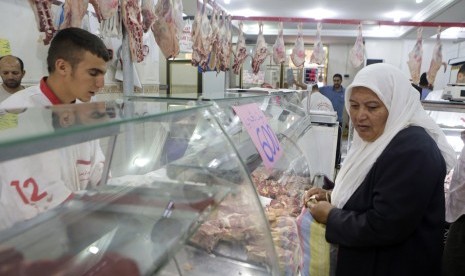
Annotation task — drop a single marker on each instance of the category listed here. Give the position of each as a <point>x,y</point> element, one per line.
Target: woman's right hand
<point>318,194</point>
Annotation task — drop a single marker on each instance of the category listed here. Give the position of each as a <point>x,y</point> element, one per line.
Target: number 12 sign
<point>261,133</point>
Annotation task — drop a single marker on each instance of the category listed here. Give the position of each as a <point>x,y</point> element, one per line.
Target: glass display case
<point>280,188</point>
<point>450,116</point>
<point>173,196</point>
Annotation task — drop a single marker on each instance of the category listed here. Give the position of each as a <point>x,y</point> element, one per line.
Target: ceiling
<point>371,12</point>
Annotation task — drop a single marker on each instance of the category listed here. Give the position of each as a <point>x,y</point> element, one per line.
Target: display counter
<point>174,196</point>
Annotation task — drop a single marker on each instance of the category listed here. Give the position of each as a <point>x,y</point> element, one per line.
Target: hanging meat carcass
<point>74,11</point>
<point>241,52</point>
<point>107,10</point>
<point>165,30</point>
<point>224,52</point>
<point>298,51</point>
<point>104,9</point>
<point>42,10</point>
<point>260,51</point>
<point>177,17</point>
<point>414,58</point>
<point>201,32</point>
<point>148,14</point>
<point>215,39</point>
<point>318,56</point>
<point>436,60</point>
<point>356,54</point>
<point>279,50</point>
<point>132,20</point>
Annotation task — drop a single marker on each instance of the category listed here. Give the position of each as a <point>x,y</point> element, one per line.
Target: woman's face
<point>367,113</point>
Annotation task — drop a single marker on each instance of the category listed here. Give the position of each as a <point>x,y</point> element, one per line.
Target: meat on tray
<point>106,264</point>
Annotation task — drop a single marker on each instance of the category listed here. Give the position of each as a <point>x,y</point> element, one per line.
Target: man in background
<point>336,93</point>
<point>12,72</point>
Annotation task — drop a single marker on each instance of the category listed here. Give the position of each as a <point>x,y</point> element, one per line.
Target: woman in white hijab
<point>386,214</point>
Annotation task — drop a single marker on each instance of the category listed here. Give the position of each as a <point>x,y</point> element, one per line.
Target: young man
<point>336,93</point>
<point>34,184</point>
<point>12,73</point>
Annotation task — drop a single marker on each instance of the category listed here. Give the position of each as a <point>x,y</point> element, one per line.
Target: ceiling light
<point>320,13</point>
<point>452,33</point>
<point>418,1</point>
<point>397,15</point>
<point>227,2</point>
<point>246,12</point>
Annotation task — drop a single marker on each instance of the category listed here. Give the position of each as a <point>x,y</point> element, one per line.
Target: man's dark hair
<point>423,80</point>
<point>337,75</point>
<point>21,64</point>
<point>70,44</point>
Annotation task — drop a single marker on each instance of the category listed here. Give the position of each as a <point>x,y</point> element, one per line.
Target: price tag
<point>262,135</point>
<point>4,47</point>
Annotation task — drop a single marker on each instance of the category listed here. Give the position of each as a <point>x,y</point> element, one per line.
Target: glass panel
<point>177,190</point>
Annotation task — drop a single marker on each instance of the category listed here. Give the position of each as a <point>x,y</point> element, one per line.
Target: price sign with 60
<point>262,135</point>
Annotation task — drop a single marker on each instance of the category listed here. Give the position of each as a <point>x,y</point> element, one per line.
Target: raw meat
<point>177,17</point>
<point>318,56</point>
<point>241,52</point>
<point>279,50</point>
<point>414,58</point>
<point>148,15</point>
<point>42,11</point>
<point>74,11</point>
<point>298,52</point>
<point>436,60</point>
<point>224,51</point>
<point>132,20</point>
<point>111,25</point>
<point>260,51</point>
<point>164,29</point>
<point>214,39</point>
<point>104,9</point>
<point>201,33</point>
<point>356,54</point>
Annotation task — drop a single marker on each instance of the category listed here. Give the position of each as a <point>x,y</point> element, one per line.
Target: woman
<point>386,214</point>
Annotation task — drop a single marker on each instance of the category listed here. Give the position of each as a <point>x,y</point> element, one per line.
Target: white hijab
<point>403,104</point>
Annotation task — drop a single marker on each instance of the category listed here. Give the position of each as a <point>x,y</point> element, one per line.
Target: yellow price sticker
<point>8,120</point>
<point>5,48</point>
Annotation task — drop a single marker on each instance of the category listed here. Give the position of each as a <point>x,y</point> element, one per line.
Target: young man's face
<point>87,77</point>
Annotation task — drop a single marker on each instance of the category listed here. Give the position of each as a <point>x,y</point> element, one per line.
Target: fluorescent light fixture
<point>418,1</point>
<point>246,12</point>
<point>397,15</point>
<point>93,249</point>
<point>452,33</point>
<point>227,2</point>
<point>320,13</point>
<point>141,161</point>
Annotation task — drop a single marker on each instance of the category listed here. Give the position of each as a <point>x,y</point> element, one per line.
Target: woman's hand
<point>316,194</point>
<point>320,211</point>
